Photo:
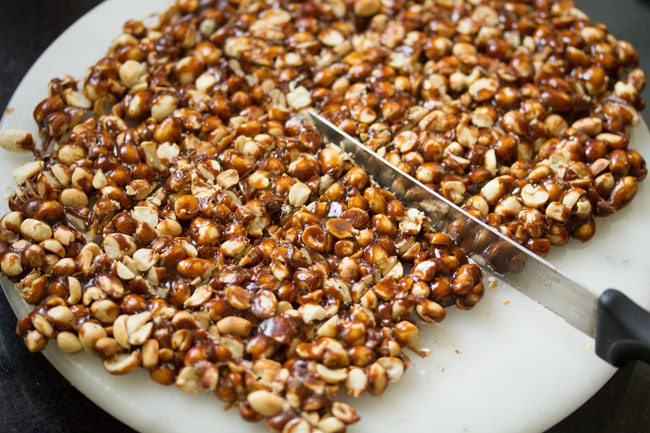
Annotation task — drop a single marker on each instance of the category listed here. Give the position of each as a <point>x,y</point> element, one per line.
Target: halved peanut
<point>35,229</point>
<point>331,376</point>
<point>356,382</point>
<point>534,196</point>
<point>339,228</point>
<point>123,363</point>
<point>26,171</point>
<point>68,342</point>
<point>394,367</point>
<point>234,325</point>
<point>265,403</point>
<point>344,412</point>
<point>299,194</point>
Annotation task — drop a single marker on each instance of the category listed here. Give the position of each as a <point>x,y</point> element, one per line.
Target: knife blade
<point>494,252</point>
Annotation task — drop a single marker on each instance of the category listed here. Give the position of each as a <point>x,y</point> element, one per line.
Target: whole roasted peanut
<point>60,316</point>
<point>585,230</point>
<point>89,334</point>
<point>106,347</point>
<point>163,106</point>
<point>68,342</point>
<point>186,207</point>
<point>623,192</point>
<point>195,267</point>
<point>132,73</point>
<point>10,264</point>
<point>555,125</point>
<point>483,89</point>
<point>508,207</point>
<point>366,8</point>
<point>11,221</point>
<point>238,297</point>
<point>430,311</point>
<point>299,194</point>
<point>356,177</point>
<point>35,341</point>
<point>466,278</point>
<point>265,402</point>
<point>235,326</point>
<point>35,229</point>
<point>406,333</point>
<point>105,310</point>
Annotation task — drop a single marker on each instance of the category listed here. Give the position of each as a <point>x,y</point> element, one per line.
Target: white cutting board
<point>498,368</point>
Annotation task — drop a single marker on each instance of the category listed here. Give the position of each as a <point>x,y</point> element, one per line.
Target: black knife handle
<point>622,329</point>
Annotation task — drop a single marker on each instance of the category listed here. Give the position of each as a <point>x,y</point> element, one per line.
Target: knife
<point>620,327</point>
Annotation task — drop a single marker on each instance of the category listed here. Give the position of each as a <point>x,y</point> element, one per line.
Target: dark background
<point>35,398</point>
